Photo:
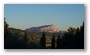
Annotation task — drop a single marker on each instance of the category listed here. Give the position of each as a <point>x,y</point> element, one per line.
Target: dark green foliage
<point>53,42</point>
<point>80,38</point>
<point>59,43</point>
<point>73,39</point>
<point>67,41</point>
<point>12,40</point>
<point>5,28</point>
<point>43,41</point>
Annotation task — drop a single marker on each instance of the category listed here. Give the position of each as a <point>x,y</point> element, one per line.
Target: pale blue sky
<point>63,16</point>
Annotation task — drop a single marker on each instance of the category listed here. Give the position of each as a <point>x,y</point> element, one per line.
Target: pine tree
<point>53,42</point>
<point>5,28</point>
<point>59,44</point>
<point>43,41</point>
<point>81,37</point>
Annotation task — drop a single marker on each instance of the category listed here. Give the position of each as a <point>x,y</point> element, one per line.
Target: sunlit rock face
<point>46,28</point>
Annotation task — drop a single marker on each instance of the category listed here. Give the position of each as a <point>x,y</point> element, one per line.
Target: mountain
<point>46,28</point>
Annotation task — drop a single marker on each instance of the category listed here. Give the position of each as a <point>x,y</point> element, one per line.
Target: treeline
<point>73,39</point>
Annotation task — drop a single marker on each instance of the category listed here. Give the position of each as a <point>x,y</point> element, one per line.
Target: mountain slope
<point>46,28</point>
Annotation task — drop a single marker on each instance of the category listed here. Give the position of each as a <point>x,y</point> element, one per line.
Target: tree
<point>59,42</point>
<point>74,38</point>
<point>71,31</point>
<point>53,42</point>
<point>5,28</point>
<point>43,41</point>
<point>82,34</point>
<point>25,41</point>
<point>81,38</point>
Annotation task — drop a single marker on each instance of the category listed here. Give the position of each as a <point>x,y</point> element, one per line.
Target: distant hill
<point>45,28</point>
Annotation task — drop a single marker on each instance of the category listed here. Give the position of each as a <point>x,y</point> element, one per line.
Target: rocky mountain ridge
<point>45,28</point>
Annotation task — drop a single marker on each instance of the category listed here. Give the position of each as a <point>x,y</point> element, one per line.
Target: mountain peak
<point>52,24</point>
<point>45,28</point>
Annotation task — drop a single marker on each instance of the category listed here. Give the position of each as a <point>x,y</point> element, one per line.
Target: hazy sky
<point>63,16</point>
